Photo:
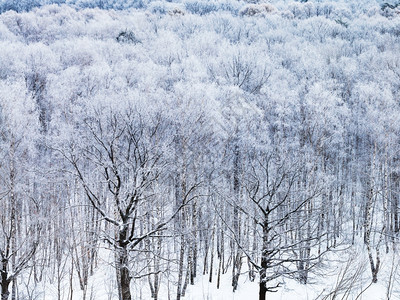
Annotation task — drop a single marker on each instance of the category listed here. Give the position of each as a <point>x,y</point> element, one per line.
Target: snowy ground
<point>353,280</point>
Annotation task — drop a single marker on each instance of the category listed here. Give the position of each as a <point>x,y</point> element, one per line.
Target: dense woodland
<point>195,138</point>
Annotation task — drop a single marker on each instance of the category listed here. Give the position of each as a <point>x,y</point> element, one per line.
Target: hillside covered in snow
<point>199,149</point>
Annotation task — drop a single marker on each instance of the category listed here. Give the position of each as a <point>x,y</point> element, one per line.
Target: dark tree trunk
<point>5,282</point>
<point>124,276</point>
<point>264,260</point>
<point>263,291</point>
<point>125,283</point>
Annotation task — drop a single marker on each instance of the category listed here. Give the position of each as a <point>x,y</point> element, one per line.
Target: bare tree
<point>124,153</point>
<point>348,279</point>
<point>272,189</point>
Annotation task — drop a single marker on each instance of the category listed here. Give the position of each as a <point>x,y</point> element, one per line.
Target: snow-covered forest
<point>199,149</point>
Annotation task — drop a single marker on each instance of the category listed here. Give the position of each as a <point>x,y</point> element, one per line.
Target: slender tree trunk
<point>264,261</point>
<point>353,215</point>
<point>13,219</point>
<point>194,247</point>
<point>252,272</point>
<point>180,271</point>
<point>220,250</point>
<point>71,274</point>
<point>386,215</point>
<point>212,255</point>
<point>236,255</point>
<point>187,276</point>
<point>190,265</point>
<point>368,223</point>
<point>5,282</point>
<point>157,268</point>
